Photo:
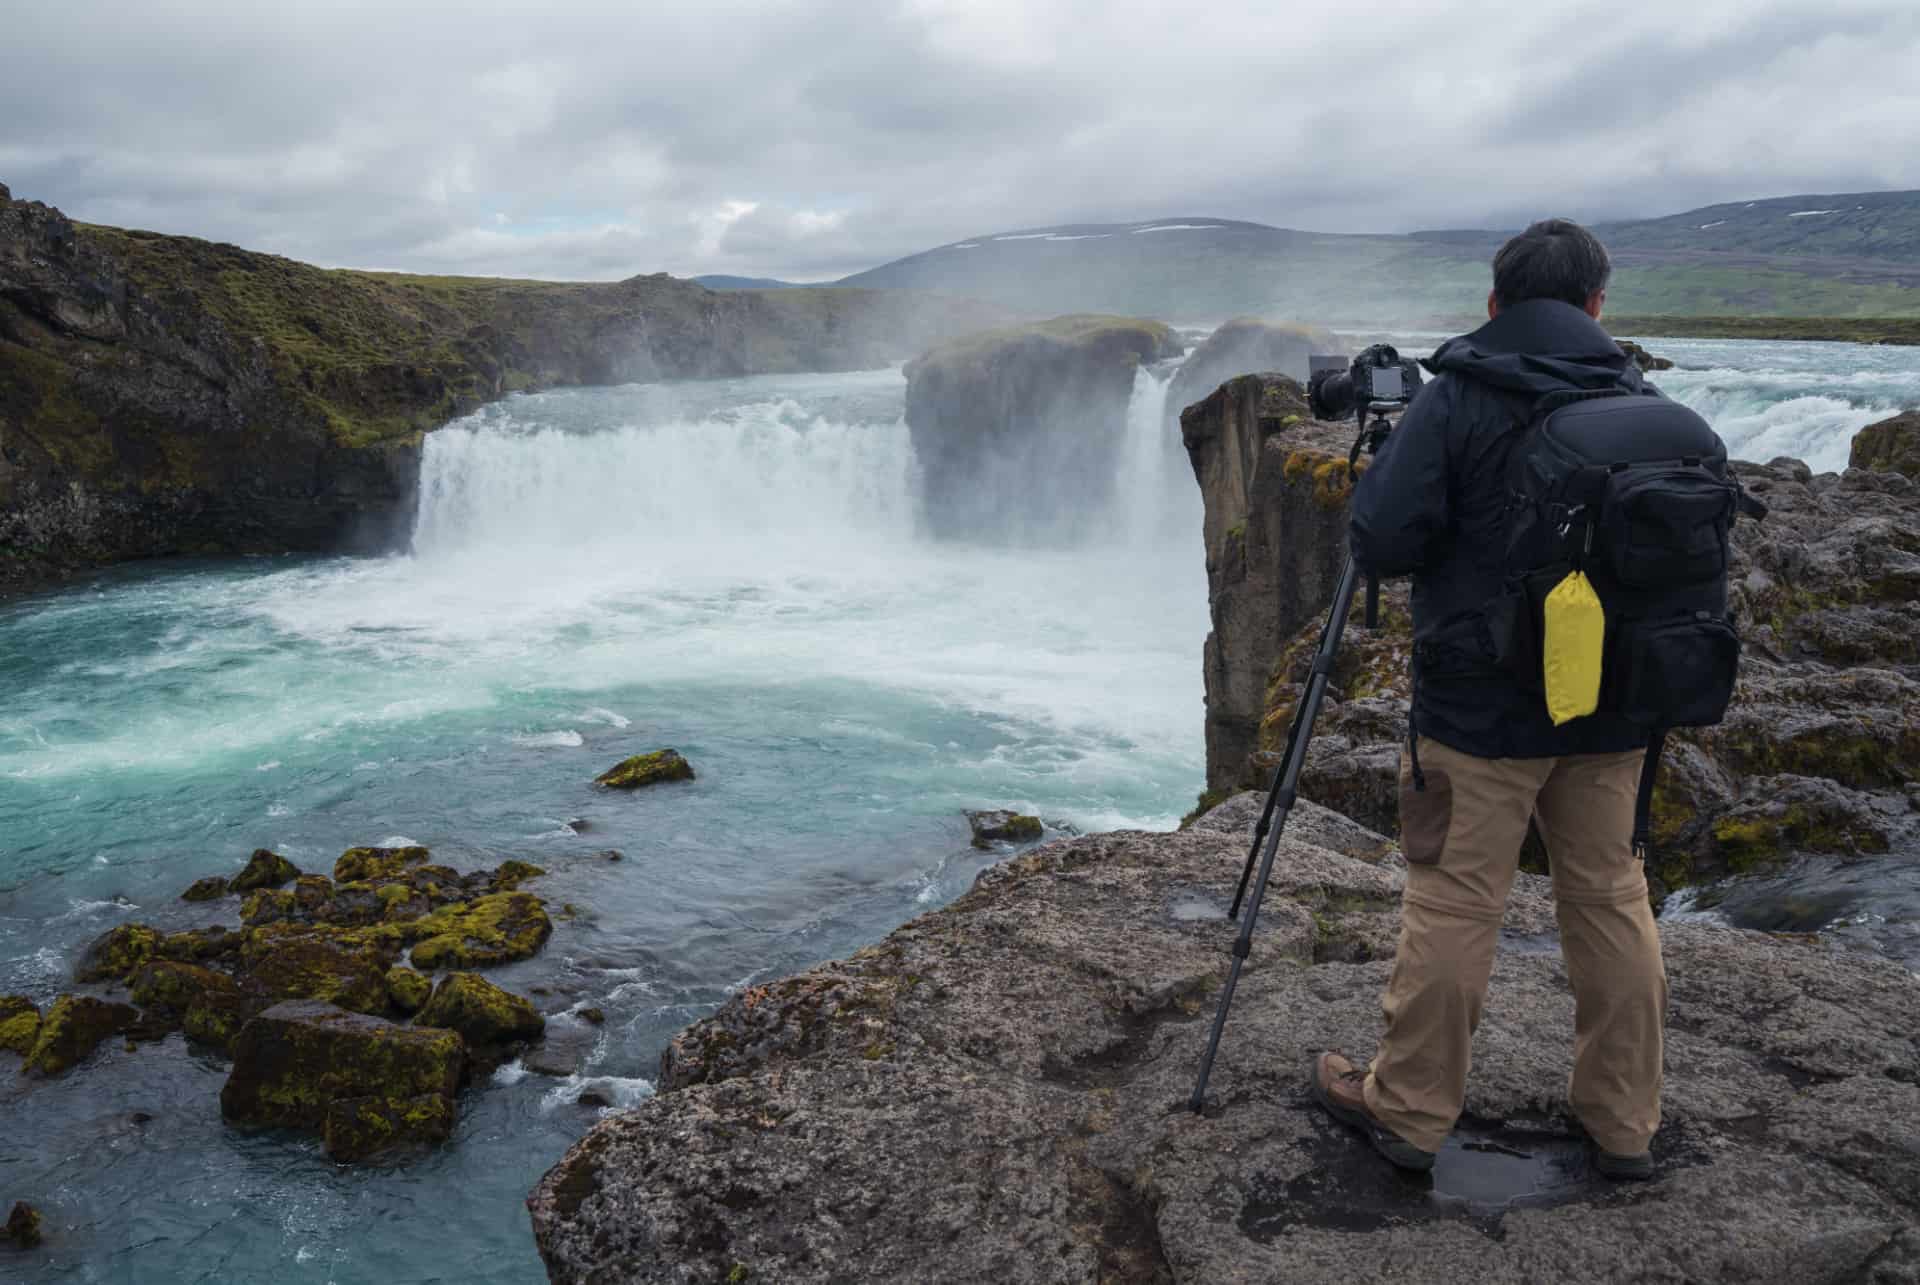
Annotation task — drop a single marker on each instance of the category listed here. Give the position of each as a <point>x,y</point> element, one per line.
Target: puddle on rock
<point>1483,1172</point>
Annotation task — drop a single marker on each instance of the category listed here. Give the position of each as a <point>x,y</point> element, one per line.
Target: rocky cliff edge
<point>162,394</point>
<point>999,1089</point>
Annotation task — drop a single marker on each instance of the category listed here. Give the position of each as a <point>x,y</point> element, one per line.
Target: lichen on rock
<point>408,989</point>
<point>371,865</point>
<point>211,888</point>
<point>114,954</point>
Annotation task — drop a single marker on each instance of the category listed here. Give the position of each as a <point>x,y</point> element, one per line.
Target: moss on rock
<point>495,929</point>
<point>293,962</point>
<point>482,1012</point>
<point>22,1229</point>
<point>264,870</point>
<point>408,989</point>
<point>19,1024</point>
<point>646,769</point>
<point>375,864</point>
<point>212,888</point>
<point>1002,826</point>
<point>360,1081</point>
<point>165,984</point>
<point>114,954</point>
<point>511,874</point>
<point>73,1027</point>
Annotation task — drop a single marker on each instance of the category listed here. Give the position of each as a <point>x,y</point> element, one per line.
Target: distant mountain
<point>1856,225</point>
<point>1833,256</point>
<point>723,282</point>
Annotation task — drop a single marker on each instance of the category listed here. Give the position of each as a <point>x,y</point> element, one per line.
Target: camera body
<point>1378,379</point>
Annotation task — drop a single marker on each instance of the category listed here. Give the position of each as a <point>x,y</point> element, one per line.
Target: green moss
<point>212,888</point>
<point>358,865</point>
<point>116,953</point>
<point>293,961</point>
<point>269,906</point>
<point>166,984</point>
<point>738,1275</point>
<point>1747,842</point>
<point>494,929</point>
<point>73,1027</point>
<point>511,874</point>
<point>646,769</point>
<point>407,989</point>
<point>480,1011</point>
<point>1205,803</point>
<point>19,1024</point>
<point>264,870</point>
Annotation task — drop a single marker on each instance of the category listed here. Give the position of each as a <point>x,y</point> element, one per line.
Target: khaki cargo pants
<point>1462,838</point>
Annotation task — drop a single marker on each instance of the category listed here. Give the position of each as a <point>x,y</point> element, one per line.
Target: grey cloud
<point>602,139</point>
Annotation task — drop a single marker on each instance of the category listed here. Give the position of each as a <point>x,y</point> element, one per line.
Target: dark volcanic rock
<point>1019,432</point>
<point>212,888</point>
<point>264,870</point>
<point>73,1027</point>
<point>646,769</point>
<point>998,1091</point>
<point>1246,347</point>
<point>1890,446</point>
<point>22,1230</point>
<point>363,1083</point>
<point>480,1011</point>
<point>1641,357</point>
<point>114,954</point>
<point>1002,826</point>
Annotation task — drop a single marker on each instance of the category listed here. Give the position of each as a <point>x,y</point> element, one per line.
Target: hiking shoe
<point>1611,1164</point>
<point>1337,1087</point>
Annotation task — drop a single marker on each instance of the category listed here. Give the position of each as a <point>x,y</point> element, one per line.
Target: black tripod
<point>1284,791</point>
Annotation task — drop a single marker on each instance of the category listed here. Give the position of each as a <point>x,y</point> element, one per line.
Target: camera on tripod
<point>1379,379</point>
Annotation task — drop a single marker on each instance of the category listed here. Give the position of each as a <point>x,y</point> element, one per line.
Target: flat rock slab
<point>362,1082</point>
<point>999,1091</point>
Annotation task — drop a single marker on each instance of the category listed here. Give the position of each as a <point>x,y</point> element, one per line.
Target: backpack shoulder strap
<point>1643,797</point>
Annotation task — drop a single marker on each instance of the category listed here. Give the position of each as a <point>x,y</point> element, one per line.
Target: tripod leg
<point>1279,803</point>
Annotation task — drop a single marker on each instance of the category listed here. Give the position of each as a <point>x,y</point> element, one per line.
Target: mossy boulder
<point>363,1083</point>
<point>407,989</point>
<point>199,944</point>
<point>511,874</point>
<point>73,1027</point>
<point>114,954</point>
<point>495,929</point>
<point>168,985</point>
<point>292,962</point>
<point>264,870</point>
<point>1890,446</point>
<point>375,864</point>
<point>268,906</point>
<point>1001,826</point>
<point>480,1011</point>
<point>19,1024</point>
<point>22,1229</point>
<point>212,888</point>
<point>646,769</point>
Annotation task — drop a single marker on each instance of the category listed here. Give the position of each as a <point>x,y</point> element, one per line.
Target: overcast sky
<point>598,140</point>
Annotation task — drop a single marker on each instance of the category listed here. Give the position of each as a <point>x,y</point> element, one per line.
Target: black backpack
<point>1633,490</point>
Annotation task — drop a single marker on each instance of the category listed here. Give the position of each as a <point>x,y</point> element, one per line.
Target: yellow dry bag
<point>1576,636</point>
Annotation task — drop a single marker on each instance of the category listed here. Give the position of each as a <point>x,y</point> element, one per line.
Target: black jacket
<point>1433,504</point>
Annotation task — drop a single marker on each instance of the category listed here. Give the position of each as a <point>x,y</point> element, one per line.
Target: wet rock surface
<point>1002,826</point>
<point>652,768</point>
<point>363,1083</point>
<point>999,1091</point>
<point>1890,446</point>
<point>343,947</point>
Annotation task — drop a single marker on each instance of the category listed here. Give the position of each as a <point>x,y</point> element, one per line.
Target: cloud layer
<point>597,140</point>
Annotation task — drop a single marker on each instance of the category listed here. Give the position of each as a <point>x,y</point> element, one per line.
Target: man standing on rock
<point>1485,756</point>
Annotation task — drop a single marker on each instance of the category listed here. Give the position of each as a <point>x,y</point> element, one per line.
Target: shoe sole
<point>1395,1150</point>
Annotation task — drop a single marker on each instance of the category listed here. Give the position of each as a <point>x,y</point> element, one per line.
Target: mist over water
<point>738,569</point>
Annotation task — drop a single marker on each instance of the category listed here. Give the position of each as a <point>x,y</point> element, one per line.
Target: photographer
<point>1483,754</point>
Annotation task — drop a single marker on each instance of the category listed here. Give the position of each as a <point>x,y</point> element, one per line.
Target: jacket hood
<point>1538,347</point>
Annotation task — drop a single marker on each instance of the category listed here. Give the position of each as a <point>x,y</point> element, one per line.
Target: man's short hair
<point>1553,259</point>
